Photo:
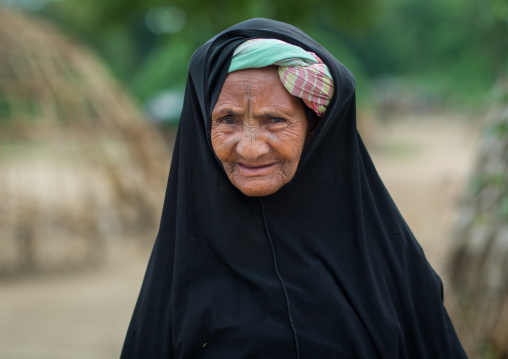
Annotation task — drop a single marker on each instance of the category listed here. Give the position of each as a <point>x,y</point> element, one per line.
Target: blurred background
<point>90,97</point>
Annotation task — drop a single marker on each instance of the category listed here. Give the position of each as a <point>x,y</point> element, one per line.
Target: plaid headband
<point>302,73</point>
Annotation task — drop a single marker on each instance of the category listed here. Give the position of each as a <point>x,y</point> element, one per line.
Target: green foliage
<point>5,109</point>
<point>503,208</point>
<point>499,129</point>
<point>476,184</point>
<point>151,63</point>
<point>480,181</point>
<point>454,49</point>
<point>165,68</point>
<point>479,219</point>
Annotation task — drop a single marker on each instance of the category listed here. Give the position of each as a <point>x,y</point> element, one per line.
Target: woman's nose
<point>252,145</point>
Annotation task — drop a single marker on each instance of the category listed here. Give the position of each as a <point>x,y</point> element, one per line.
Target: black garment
<point>324,268</point>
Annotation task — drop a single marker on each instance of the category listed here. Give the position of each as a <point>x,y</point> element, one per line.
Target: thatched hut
<point>479,263</point>
<point>79,165</point>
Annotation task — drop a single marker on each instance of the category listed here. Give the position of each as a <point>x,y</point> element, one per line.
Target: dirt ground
<point>423,161</point>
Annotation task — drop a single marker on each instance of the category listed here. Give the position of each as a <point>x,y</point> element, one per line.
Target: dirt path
<point>73,316</point>
<point>422,162</point>
<point>425,163</point>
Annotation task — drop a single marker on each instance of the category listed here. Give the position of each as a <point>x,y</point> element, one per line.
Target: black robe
<point>324,268</point>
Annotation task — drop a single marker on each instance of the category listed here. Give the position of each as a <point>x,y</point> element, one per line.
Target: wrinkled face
<point>258,131</point>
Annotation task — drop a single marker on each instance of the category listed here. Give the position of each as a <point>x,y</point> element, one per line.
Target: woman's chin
<point>258,187</point>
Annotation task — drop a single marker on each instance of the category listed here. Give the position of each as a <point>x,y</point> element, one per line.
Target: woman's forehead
<point>257,90</point>
<point>265,76</point>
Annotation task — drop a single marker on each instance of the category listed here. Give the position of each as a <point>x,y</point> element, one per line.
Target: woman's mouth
<point>255,170</point>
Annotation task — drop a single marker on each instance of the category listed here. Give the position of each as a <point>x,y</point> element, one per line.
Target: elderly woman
<point>278,238</point>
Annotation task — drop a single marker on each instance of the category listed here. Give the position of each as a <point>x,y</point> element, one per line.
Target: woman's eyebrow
<point>273,112</point>
<point>260,114</point>
<point>226,112</point>
<point>268,114</point>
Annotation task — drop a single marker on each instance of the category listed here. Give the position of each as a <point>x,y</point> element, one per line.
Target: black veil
<point>324,268</point>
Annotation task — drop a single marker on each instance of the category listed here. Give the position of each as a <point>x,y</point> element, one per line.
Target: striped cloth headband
<point>302,73</point>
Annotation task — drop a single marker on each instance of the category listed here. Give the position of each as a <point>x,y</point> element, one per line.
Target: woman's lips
<point>255,170</point>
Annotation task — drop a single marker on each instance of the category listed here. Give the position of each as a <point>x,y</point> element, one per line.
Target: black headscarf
<point>324,268</point>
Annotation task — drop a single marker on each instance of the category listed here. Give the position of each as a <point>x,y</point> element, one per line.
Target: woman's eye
<point>276,120</point>
<point>227,120</point>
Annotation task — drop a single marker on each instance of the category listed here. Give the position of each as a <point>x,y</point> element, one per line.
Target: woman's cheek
<point>291,136</point>
<point>222,143</point>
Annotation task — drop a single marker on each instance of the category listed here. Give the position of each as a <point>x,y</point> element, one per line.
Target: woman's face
<point>258,131</point>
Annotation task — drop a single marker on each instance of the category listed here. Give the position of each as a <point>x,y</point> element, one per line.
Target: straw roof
<point>79,165</point>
